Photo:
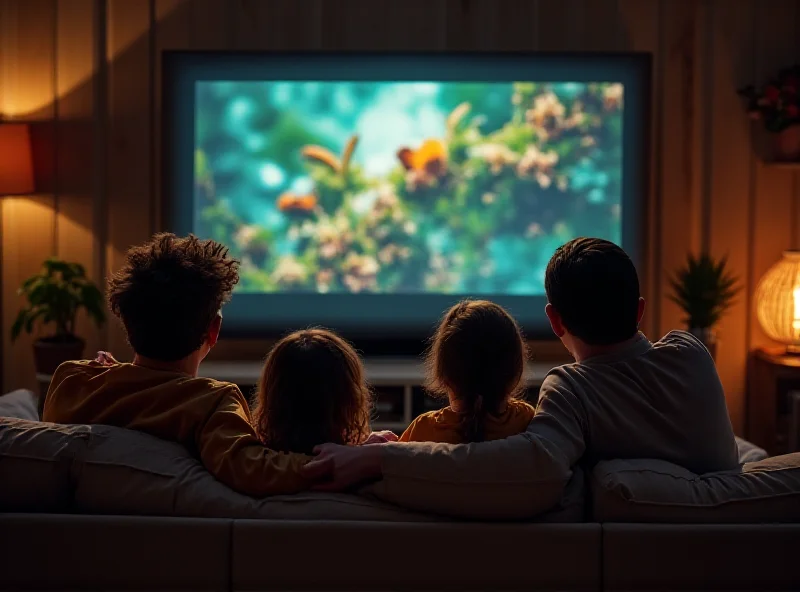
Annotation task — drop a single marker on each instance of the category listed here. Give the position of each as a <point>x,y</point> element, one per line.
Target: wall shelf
<point>397,382</point>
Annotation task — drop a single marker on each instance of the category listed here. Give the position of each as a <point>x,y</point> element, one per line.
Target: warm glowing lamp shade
<point>16,161</point>
<point>778,301</point>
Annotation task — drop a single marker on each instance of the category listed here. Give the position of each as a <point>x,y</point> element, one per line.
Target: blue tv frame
<point>383,322</point>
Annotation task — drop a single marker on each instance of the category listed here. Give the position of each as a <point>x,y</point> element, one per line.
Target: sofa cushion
<point>517,478</point>
<point>127,472</point>
<point>658,491</point>
<point>37,464</point>
<point>19,404</point>
<point>66,552</point>
<point>749,452</point>
<point>271,555</point>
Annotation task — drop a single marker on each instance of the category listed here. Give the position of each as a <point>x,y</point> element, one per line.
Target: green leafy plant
<point>704,289</point>
<point>56,295</point>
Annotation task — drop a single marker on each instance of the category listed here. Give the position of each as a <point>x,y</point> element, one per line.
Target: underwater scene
<point>405,187</point>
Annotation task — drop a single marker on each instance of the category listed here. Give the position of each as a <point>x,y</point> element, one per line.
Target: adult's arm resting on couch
<point>519,477</point>
<point>516,478</point>
<point>231,452</point>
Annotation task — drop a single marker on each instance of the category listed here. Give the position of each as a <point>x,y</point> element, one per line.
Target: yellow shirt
<point>444,425</point>
<point>208,417</point>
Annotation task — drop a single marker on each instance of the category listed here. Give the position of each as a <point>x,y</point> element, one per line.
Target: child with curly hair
<point>312,391</point>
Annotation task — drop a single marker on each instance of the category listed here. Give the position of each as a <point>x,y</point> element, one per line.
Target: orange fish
<point>429,158</point>
<point>291,202</point>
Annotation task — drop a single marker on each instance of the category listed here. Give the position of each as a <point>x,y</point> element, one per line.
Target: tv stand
<point>398,383</point>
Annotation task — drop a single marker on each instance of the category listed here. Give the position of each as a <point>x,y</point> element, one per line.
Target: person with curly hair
<point>169,296</point>
<point>312,391</point>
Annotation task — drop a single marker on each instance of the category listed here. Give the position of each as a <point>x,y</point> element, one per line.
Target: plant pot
<point>786,144</point>
<point>709,338</point>
<point>49,355</point>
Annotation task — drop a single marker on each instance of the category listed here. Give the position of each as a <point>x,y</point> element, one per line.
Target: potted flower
<point>54,297</point>
<point>705,290</point>
<point>777,106</point>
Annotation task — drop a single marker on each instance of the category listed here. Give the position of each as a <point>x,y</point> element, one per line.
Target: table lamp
<point>16,159</point>
<point>778,302</point>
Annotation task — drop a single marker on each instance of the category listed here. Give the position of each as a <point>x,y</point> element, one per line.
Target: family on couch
<point>624,397</point>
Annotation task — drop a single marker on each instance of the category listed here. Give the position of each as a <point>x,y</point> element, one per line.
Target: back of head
<point>477,357</point>
<point>169,292</point>
<point>592,284</point>
<point>312,391</point>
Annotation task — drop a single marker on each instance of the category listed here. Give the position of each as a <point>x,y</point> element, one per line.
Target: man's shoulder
<point>563,374</point>
<point>123,377</point>
<point>72,367</point>
<point>682,343</point>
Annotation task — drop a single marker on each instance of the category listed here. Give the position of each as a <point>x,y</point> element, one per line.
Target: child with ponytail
<point>477,361</point>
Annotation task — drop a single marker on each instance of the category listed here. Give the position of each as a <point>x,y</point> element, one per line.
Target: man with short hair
<point>623,397</point>
<point>168,296</point>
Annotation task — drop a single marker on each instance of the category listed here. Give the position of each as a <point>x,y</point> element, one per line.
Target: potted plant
<point>54,297</point>
<point>705,290</point>
<point>777,106</point>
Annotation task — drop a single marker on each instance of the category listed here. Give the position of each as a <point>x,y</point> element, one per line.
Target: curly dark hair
<point>312,391</point>
<point>593,285</point>
<point>477,356</point>
<point>169,292</point>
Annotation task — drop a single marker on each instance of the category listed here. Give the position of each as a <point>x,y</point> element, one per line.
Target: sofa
<point>102,508</point>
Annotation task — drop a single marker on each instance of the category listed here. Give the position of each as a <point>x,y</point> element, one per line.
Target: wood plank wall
<point>87,72</point>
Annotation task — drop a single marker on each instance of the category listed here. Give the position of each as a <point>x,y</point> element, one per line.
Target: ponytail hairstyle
<point>312,391</point>
<point>477,360</point>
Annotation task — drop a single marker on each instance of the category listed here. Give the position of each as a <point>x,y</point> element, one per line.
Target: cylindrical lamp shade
<point>16,160</point>
<point>777,301</point>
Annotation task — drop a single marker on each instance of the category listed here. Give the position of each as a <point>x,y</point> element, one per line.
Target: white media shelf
<point>398,385</point>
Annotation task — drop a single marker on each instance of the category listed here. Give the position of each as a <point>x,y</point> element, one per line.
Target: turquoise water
<point>405,187</point>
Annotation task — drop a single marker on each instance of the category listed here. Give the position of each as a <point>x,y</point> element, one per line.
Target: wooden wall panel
<point>482,26</point>
<point>209,24</point>
<point>130,81</point>
<point>770,222</point>
<point>560,24</point>
<point>731,175</point>
<point>27,37</point>
<point>602,26</point>
<point>172,25</point>
<point>641,31</point>
<point>708,192</point>
<point>675,209</point>
<point>275,25</point>
<point>74,80</point>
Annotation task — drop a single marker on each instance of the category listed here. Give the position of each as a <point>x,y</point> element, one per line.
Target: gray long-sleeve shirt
<point>660,400</point>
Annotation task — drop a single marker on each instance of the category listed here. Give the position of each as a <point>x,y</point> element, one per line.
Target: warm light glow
<point>777,301</point>
<point>16,161</point>
<point>796,321</point>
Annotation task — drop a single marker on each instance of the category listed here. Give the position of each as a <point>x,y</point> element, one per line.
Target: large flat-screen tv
<point>369,192</point>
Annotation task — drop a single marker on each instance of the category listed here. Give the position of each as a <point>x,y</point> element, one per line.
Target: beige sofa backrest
<point>107,470</point>
<point>658,491</point>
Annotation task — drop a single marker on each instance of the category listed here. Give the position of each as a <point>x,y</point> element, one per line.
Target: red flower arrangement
<point>777,104</point>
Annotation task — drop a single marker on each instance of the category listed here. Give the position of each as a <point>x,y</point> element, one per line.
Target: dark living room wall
<point>87,73</point>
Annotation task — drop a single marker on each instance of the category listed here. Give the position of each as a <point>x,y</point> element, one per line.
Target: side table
<point>773,401</point>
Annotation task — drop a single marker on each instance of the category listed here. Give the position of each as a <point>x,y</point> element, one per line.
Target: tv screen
<point>367,193</point>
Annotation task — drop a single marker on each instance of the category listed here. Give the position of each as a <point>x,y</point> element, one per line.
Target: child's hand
<point>104,358</point>
<point>381,437</point>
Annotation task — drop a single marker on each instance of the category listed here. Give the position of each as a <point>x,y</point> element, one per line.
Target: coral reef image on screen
<point>405,187</point>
